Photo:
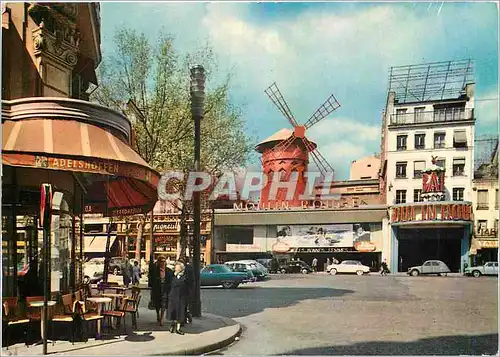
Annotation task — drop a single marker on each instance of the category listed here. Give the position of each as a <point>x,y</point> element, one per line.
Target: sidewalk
<point>206,334</point>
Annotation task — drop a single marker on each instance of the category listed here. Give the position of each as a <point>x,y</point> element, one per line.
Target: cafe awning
<point>118,181</point>
<point>97,244</point>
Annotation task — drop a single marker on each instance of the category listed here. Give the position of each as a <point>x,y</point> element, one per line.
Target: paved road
<point>351,315</point>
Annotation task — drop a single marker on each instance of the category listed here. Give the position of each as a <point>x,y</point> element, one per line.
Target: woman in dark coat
<point>177,299</point>
<point>160,280</point>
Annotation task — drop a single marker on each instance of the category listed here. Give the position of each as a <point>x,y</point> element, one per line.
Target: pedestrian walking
<point>384,269</point>
<point>160,281</point>
<point>127,273</point>
<point>315,264</point>
<point>136,273</point>
<point>177,299</point>
<point>190,294</point>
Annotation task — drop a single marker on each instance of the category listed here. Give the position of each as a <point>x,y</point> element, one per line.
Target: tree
<point>154,81</point>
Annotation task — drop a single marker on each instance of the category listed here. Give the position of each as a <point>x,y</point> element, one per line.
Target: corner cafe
<point>430,230</point>
<point>345,229</point>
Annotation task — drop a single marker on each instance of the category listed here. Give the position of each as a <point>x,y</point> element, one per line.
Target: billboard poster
<point>322,236</point>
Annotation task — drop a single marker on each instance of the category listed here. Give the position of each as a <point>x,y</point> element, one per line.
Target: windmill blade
<point>320,161</point>
<point>281,147</point>
<point>330,105</point>
<point>275,95</point>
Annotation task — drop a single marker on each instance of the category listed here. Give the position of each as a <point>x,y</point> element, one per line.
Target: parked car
<point>117,265</point>
<point>220,274</point>
<point>430,267</point>
<point>490,268</point>
<point>242,268</point>
<point>295,266</point>
<point>348,267</point>
<point>258,270</point>
<point>93,270</point>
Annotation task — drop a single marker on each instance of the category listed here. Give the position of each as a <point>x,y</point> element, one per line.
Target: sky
<point>312,50</point>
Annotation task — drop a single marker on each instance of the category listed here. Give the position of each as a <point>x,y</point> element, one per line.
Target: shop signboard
<point>488,243</point>
<point>445,211</point>
<point>321,236</point>
<point>243,248</point>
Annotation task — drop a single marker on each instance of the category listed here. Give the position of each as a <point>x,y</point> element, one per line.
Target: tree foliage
<point>155,77</point>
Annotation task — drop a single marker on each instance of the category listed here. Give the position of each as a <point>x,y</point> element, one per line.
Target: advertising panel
<point>321,236</point>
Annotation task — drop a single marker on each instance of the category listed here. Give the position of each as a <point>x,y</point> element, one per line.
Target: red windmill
<point>288,150</point>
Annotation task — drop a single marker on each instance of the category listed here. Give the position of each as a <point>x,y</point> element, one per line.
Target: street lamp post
<point>197,111</point>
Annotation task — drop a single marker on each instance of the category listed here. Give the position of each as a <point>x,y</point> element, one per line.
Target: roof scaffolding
<point>430,81</point>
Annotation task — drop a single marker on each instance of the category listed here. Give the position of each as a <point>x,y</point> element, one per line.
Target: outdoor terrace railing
<point>436,116</point>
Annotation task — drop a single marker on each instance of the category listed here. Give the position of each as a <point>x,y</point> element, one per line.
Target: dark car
<point>295,266</point>
<point>220,274</point>
<point>117,265</point>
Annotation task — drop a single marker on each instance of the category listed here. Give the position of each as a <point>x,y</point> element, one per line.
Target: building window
<point>417,196</point>
<point>400,169</point>
<point>401,142</point>
<point>419,115</point>
<point>459,167</point>
<point>418,169</point>
<point>419,141</point>
<point>482,199</point>
<point>458,194</point>
<point>401,116</point>
<point>459,139</point>
<point>439,140</point>
<point>441,163</point>
<point>482,224</point>
<point>400,196</point>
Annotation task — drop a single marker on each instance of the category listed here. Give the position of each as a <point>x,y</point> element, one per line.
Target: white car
<point>93,267</point>
<point>348,267</point>
<point>490,268</point>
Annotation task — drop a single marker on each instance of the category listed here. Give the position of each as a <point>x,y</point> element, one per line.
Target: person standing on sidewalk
<point>315,264</point>
<point>385,269</point>
<point>136,273</point>
<point>160,281</point>
<point>190,294</point>
<point>177,299</point>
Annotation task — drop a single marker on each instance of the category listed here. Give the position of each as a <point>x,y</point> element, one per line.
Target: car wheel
<point>476,273</point>
<point>414,272</point>
<point>359,272</point>
<point>333,271</point>
<point>442,274</point>
<point>115,271</point>
<point>283,271</point>
<point>304,271</point>
<point>227,284</point>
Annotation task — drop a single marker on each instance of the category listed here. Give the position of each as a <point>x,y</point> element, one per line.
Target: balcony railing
<point>436,116</point>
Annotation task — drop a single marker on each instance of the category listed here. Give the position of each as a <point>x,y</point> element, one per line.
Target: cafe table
<point>39,304</point>
<point>100,301</point>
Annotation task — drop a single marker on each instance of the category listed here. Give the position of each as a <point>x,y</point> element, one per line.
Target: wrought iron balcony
<point>436,116</point>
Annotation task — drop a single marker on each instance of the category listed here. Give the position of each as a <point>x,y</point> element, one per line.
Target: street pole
<point>197,111</point>
<point>45,220</point>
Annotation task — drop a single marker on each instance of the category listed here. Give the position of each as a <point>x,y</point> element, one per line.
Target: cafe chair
<point>87,316</point>
<point>68,315</point>
<point>12,317</point>
<point>119,314</point>
<point>131,306</point>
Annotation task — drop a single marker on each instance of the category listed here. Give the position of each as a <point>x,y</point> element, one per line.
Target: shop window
<point>400,196</point>
<point>418,169</point>
<point>238,235</point>
<point>401,142</point>
<point>417,195</point>
<point>401,169</point>
<point>482,199</point>
<point>459,167</point>
<point>419,141</point>
<point>439,139</point>
<point>458,194</point>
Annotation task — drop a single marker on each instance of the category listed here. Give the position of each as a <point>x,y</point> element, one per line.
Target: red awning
<point>120,181</point>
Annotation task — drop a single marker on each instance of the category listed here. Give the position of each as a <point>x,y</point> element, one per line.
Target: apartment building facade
<point>421,130</point>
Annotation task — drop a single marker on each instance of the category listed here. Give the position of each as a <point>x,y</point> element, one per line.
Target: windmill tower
<point>287,152</point>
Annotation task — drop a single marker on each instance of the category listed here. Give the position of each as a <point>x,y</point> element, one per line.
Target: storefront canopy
<point>118,181</point>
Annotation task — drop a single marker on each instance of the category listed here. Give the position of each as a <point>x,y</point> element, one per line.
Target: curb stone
<point>195,351</point>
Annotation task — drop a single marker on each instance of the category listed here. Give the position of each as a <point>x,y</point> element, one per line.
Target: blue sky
<point>315,49</point>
